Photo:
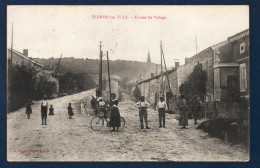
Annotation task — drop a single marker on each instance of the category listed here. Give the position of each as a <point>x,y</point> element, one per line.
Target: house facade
<point>231,75</point>
<point>22,58</point>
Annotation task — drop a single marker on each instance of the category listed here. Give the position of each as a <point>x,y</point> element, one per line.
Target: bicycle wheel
<point>97,123</point>
<point>122,121</point>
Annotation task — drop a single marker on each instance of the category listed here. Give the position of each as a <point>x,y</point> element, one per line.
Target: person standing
<point>44,109</point>
<point>70,111</point>
<point>183,121</point>
<point>161,107</point>
<point>142,106</point>
<point>28,110</point>
<point>196,109</point>
<point>115,114</point>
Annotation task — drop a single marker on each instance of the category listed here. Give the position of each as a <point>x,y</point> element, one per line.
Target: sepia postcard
<point>128,83</point>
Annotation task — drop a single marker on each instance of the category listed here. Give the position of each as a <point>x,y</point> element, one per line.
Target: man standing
<point>161,107</point>
<point>44,109</point>
<point>142,106</point>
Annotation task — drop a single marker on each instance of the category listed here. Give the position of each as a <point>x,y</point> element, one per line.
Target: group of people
<point>195,106</point>
<point>100,105</point>
<point>44,110</point>
<point>142,105</point>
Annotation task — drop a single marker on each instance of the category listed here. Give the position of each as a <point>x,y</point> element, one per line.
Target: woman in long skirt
<point>183,121</point>
<point>115,115</point>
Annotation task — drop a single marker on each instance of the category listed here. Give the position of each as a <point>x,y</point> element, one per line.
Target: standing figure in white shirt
<point>44,109</point>
<point>161,107</point>
<point>142,106</point>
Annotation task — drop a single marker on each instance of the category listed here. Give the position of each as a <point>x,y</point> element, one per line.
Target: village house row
<point>227,68</point>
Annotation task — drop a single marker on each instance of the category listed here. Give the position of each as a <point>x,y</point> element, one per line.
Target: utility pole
<point>100,68</point>
<point>109,82</point>
<point>162,88</point>
<point>12,45</point>
<point>140,84</point>
<point>196,44</point>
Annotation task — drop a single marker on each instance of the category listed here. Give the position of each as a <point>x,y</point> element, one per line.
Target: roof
<point>216,46</point>
<point>239,35</point>
<point>27,58</point>
<point>158,76</point>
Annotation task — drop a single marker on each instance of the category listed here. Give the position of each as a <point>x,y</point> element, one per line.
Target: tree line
<point>24,83</point>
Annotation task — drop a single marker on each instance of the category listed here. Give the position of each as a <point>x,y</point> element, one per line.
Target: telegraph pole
<point>162,88</point>
<point>12,45</point>
<point>100,67</point>
<point>109,82</point>
<point>196,44</point>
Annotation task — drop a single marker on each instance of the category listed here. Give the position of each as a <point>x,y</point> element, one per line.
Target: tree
<point>44,87</point>
<point>136,93</point>
<point>21,81</point>
<point>195,85</point>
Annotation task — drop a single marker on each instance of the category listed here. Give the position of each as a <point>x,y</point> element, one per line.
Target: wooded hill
<point>124,69</point>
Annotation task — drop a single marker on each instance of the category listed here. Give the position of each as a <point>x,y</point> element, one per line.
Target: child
<point>28,110</point>
<point>102,106</point>
<point>51,110</point>
<point>70,111</point>
<point>161,107</point>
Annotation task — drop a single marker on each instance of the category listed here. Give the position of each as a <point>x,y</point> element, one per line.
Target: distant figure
<point>70,111</point>
<point>196,109</point>
<point>28,110</point>
<point>161,107</point>
<point>183,121</point>
<point>115,114</point>
<point>84,106</point>
<point>142,106</point>
<point>44,109</point>
<point>51,110</point>
<point>94,101</point>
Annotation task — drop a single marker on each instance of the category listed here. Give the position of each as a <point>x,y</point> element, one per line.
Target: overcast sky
<point>49,31</point>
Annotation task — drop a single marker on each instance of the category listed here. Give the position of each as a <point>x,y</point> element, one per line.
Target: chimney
<point>177,64</point>
<point>25,52</point>
<point>152,75</point>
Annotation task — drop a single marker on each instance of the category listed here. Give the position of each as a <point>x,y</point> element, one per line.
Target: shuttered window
<point>243,78</point>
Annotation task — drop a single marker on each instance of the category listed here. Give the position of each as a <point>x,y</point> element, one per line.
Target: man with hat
<point>142,106</point>
<point>161,107</point>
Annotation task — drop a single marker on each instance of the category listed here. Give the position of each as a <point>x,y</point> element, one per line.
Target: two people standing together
<point>142,105</point>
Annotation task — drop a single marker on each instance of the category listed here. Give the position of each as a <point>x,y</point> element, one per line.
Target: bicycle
<point>97,123</point>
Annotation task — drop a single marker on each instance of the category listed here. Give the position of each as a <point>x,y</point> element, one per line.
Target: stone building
<point>231,74</point>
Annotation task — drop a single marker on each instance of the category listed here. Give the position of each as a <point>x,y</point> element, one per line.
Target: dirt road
<point>73,140</point>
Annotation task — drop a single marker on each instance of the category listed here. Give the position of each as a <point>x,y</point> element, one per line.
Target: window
<point>243,78</point>
<point>242,48</point>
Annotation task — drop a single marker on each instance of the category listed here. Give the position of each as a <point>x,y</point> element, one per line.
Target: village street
<point>73,140</point>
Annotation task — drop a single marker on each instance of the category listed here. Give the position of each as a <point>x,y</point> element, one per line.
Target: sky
<point>75,31</point>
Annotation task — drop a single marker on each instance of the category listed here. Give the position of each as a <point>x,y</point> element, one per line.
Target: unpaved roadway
<point>63,139</point>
